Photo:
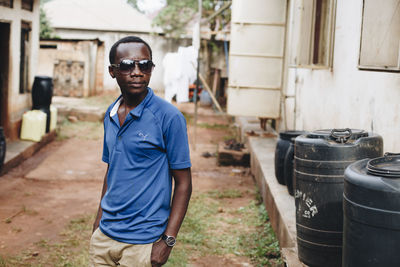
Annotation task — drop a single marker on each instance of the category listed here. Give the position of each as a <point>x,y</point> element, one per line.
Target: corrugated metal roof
<point>105,15</point>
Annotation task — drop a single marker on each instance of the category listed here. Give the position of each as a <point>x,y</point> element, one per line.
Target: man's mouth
<point>135,84</point>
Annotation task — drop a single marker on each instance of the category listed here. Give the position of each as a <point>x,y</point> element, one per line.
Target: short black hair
<point>127,39</point>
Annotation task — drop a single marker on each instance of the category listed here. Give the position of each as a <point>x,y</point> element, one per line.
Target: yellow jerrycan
<point>33,125</point>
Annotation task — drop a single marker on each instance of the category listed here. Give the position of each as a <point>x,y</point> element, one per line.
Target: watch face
<point>170,240</point>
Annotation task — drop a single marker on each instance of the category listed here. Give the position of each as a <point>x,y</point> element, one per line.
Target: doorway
<point>4,73</point>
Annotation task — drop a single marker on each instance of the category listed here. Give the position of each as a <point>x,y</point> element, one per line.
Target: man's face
<point>135,82</point>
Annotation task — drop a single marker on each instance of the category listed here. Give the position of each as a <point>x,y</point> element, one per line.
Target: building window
<point>7,3</point>
<point>25,55</point>
<point>380,35</point>
<point>316,33</point>
<point>27,5</point>
<point>48,46</point>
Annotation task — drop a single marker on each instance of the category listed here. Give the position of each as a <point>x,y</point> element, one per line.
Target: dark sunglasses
<point>126,66</point>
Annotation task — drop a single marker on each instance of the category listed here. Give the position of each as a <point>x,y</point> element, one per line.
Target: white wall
<point>159,45</point>
<point>345,96</point>
<point>18,103</point>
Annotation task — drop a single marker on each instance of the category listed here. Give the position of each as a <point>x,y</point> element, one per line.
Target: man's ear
<point>111,71</point>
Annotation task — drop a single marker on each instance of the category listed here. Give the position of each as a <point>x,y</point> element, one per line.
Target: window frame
<point>311,53</point>
<point>27,5</point>
<point>24,68</point>
<point>376,67</point>
<point>3,4</point>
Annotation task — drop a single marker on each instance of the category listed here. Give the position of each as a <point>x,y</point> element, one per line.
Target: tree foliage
<point>174,18</point>
<point>134,4</point>
<point>46,31</point>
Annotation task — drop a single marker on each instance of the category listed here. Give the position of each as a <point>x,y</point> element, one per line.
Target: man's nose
<point>136,70</point>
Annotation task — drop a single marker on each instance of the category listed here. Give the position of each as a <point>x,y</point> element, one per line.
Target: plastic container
<point>2,147</point>
<point>33,125</point>
<point>321,158</point>
<point>371,205</point>
<point>281,149</point>
<point>42,92</point>
<point>53,117</point>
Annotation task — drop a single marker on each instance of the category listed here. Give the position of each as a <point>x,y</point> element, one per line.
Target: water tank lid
<point>338,135</point>
<point>289,135</point>
<point>41,77</point>
<point>387,166</point>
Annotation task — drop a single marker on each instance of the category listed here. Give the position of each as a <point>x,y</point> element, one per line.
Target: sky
<point>150,6</point>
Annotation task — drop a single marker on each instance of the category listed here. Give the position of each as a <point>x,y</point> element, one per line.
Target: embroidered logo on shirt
<point>142,135</point>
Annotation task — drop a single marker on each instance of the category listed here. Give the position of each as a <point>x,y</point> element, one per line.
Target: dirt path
<point>39,197</point>
<point>63,181</point>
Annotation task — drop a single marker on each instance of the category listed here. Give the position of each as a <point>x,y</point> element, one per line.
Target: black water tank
<point>282,146</point>
<point>2,147</point>
<point>48,117</point>
<point>371,206</point>
<point>42,92</point>
<point>321,158</point>
<point>288,171</point>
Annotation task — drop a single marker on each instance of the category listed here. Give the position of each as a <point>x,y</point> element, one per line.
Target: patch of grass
<point>71,251</point>
<point>228,193</point>
<point>188,117</point>
<point>233,133</point>
<point>261,245</point>
<point>102,101</point>
<point>16,229</point>
<point>245,232</point>
<point>215,126</point>
<point>3,262</point>
<point>177,258</point>
<point>81,129</point>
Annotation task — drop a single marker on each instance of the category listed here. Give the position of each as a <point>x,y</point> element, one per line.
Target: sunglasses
<point>126,66</point>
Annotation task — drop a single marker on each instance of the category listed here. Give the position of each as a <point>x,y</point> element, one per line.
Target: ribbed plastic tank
<point>282,146</point>
<point>321,158</point>
<point>33,125</point>
<point>2,147</point>
<point>371,205</point>
<point>288,163</point>
<point>53,117</point>
<point>42,92</point>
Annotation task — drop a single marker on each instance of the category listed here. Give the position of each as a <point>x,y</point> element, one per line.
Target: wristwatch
<point>169,240</point>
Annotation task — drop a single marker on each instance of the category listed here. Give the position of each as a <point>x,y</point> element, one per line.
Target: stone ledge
<point>18,151</point>
<point>279,204</point>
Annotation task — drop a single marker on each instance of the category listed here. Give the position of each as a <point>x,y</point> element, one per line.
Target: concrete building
<point>77,66</point>
<point>108,21</point>
<point>19,47</point>
<point>315,64</point>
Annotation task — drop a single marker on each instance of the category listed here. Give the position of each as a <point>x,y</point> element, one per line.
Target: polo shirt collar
<point>137,111</point>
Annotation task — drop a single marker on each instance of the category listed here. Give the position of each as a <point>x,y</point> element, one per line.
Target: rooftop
<point>103,15</point>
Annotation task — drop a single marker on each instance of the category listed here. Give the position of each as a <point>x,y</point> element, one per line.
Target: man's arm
<point>180,202</point>
<point>100,211</point>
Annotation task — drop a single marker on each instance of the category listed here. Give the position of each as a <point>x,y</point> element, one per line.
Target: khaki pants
<point>105,251</point>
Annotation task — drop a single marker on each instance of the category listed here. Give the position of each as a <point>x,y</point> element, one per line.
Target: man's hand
<point>160,253</point>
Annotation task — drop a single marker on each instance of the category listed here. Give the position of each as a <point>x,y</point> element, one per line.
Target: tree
<point>134,4</point>
<point>46,31</point>
<point>177,15</point>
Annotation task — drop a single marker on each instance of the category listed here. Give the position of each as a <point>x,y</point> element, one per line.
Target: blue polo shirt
<point>152,141</point>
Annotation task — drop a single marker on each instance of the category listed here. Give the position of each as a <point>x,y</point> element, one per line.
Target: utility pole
<point>196,90</point>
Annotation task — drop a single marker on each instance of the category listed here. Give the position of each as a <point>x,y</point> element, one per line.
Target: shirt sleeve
<point>177,144</point>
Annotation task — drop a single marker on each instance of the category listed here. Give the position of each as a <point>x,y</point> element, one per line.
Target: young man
<point>145,146</point>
